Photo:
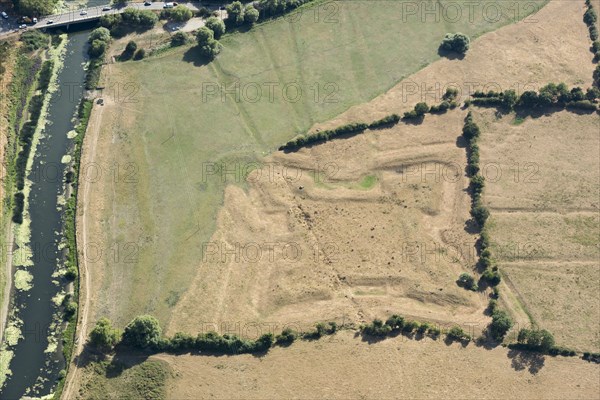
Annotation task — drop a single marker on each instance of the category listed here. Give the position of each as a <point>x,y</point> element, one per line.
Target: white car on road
<point>83,12</point>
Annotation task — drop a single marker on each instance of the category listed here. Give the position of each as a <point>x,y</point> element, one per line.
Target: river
<point>34,369</point>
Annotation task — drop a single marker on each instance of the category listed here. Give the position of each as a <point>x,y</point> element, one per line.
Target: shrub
<point>356,127</point>
<point>477,185</point>
<point>34,39</point>
<point>451,94</point>
<point>421,109</point>
<point>142,332</point>
<point>423,328</point>
<point>592,93</point>
<point>590,16</point>
<point>287,337</point>
<point>216,25</point>
<point>534,339</point>
<point>179,39</point>
<point>70,310</point>
<point>470,129</point>
<point>385,121</point>
<point>410,326</point>
<point>491,277</point>
<point>129,51</point>
<point>434,332</point>
<point>395,322</point>
<point>410,115</point>
<point>377,328</point>
<point>467,281</point>
<point>480,214</point>
<point>456,42</point>
<point>457,333</point>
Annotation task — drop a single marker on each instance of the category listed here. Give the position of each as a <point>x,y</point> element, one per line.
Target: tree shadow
<point>472,227</point>
<point>449,54</point>
<point>123,359</point>
<point>192,55</point>
<point>486,343</point>
<point>414,121</point>
<point>448,341</point>
<point>88,356</point>
<point>461,142</point>
<point>531,361</point>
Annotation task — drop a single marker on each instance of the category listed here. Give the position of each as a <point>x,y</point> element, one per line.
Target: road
<point>93,13</point>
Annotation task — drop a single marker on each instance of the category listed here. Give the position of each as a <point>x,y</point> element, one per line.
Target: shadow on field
<point>449,54</point>
<point>192,55</point>
<point>521,360</point>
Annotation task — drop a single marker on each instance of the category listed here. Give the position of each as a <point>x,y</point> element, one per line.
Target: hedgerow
<point>324,136</point>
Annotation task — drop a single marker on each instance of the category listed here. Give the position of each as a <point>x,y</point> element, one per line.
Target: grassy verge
<point>68,335</point>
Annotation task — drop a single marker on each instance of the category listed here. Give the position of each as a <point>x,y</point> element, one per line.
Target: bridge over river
<point>76,16</point>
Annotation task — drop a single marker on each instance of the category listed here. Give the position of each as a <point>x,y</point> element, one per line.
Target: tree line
<point>145,333</point>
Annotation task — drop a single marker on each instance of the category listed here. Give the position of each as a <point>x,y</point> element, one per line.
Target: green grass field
<point>333,56</point>
<point>146,380</point>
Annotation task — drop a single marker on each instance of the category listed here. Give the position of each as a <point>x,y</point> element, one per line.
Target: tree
<point>119,3</point>
<point>592,93</point>
<point>590,17</point>
<point>535,339</point>
<point>181,13</point>
<point>35,7</point>
<point>501,323</point>
<point>147,19</point>
<point>509,99</point>
<point>208,46</point>
<point>457,333</point>
<point>104,337</point>
<point>142,332</point>
<point>101,34</point>
<point>216,25</point>
<point>251,15</point>
<point>110,20</point>
<point>235,13</point>
<point>97,48</point>
<point>480,214</point>
<point>457,42</point>
<point>421,109</point>
<point>528,99</point>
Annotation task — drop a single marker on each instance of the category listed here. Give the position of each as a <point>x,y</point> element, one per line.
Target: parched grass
<point>267,86</point>
<point>544,219</point>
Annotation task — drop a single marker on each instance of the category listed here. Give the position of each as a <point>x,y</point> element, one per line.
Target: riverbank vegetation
<point>71,305</point>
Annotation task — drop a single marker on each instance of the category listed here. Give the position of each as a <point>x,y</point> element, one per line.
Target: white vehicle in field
<point>4,15</point>
<point>168,5</point>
